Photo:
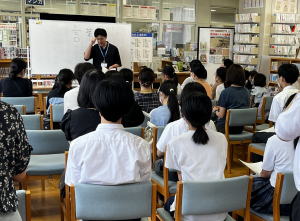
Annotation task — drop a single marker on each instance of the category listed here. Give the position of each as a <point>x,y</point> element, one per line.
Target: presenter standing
<point>104,54</point>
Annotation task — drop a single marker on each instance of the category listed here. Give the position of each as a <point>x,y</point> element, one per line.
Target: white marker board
<point>55,45</point>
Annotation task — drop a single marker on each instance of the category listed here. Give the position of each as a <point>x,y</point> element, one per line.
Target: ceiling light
<point>213,10</point>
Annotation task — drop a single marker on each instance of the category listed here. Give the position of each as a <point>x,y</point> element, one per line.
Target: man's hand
<point>93,41</point>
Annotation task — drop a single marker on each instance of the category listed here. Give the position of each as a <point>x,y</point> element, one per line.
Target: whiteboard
<point>55,45</point>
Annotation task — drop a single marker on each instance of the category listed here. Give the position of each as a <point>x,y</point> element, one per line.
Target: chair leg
<point>62,215</point>
<point>244,152</point>
<point>25,183</point>
<point>235,215</point>
<point>229,156</point>
<point>43,185</point>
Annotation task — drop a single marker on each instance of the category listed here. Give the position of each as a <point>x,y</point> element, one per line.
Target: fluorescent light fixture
<point>213,10</point>
<point>190,9</point>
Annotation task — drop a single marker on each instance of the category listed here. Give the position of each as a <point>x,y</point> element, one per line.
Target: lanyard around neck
<point>105,51</point>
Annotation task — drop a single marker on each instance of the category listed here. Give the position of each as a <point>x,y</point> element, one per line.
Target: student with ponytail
<point>169,112</point>
<point>169,74</point>
<point>199,154</point>
<point>15,85</point>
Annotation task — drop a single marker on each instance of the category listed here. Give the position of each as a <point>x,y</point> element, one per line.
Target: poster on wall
<point>286,6</point>
<point>142,47</point>
<point>253,3</point>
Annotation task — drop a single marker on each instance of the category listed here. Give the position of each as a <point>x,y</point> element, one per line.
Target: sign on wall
<point>286,6</point>
<point>142,47</point>
<point>35,2</point>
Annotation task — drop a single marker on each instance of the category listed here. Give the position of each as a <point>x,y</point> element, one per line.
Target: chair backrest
<point>268,104</point>
<point>47,141</point>
<point>24,206</point>
<point>146,119</point>
<point>213,103</point>
<point>242,117</point>
<point>21,109</point>
<point>121,202</point>
<point>57,112</point>
<point>288,191</point>
<point>138,131</point>
<point>33,122</point>
<point>160,130</point>
<point>218,196</point>
<point>29,102</point>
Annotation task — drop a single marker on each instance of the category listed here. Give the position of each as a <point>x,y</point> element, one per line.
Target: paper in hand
<point>256,167</point>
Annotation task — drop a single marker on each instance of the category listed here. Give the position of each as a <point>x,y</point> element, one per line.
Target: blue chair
<point>24,206</point>
<point>56,114</point>
<point>138,131</point>
<point>21,109</point>
<point>33,122</point>
<point>29,102</point>
<point>284,192</point>
<point>99,202</point>
<point>211,197</point>
<point>48,155</point>
<point>237,118</point>
<point>146,119</point>
<point>257,148</point>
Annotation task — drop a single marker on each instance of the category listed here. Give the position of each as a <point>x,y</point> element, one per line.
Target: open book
<point>256,167</point>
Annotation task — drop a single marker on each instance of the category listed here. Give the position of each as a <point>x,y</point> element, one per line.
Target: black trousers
<point>295,208</point>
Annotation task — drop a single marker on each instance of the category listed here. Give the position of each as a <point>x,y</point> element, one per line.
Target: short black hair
<point>113,99</point>
<point>235,75</point>
<point>221,73</point>
<point>252,74</point>
<point>100,31</point>
<point>127,74</point>
<point>200,71</point>
<point>170,72</point>
<point>17,65</point>
<point>86,91</point>
<point>195,63</point>
<point>260,80</point>
<point>64,77</point>
<point>114,74</point>
<point>189,88</point>
<point>228,63</point>
<point>289,72</point>
<point>81,69</point>
<point>146,77</point>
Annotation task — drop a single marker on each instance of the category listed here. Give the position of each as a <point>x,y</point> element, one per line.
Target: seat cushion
<point>158,179</point>
<point>165,215</point>
<point>50,164</point>
<point>259,127</point>
<point>260,146</point>
<point>268,217</point>
<point>242,136</point>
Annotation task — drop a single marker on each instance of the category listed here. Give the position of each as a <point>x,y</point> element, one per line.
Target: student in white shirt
<point>287,75</point>
<point>110,155</point>
<point>278,157</point>
<point>70,97</point>
<point>180,126</point>
<point>199,154</point>
<point>288,129</point>
<point>259,88</point>
<point>220,79</point>
<point>169,74</point>
<point>169,111</point>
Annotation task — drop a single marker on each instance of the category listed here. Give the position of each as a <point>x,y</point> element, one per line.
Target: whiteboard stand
<point>28,64</point>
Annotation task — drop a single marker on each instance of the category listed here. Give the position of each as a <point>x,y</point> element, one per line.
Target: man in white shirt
<point>110,155</point>
<point>70,97</point>
<point>288,129</point>
<point>287,75</point>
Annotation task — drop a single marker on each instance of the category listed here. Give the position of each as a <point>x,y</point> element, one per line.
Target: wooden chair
<point>33,122</point>
<point>56,114</point>
<point>257,148</point>
<point>29,102</point>
<point>100,202</point>
<point>21,109</point>
<point>211,197</point>
<point>236,118</point>
<point>65,204</point>
<point>157,132</point>
<point>164,186</point>
<point>45,104</point>
<point>284,192</point>
<point>24,207</point>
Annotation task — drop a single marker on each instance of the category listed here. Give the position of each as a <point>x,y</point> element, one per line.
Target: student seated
<point>259,89</point>
<point>250,80</point>
<point>287,75</point>
<point>220,79</point>
<point>135,117</point>
<point>236,96</point>
<point>278,157</point>
<point>199,154</point>
<point>15,85</point>
<point>180,126</point>
<point>169,74</point>
<point>227,63</point>
<point>110,155</point>
<point>85,119</point>
<point>169,111</point>
<point>146,98</point>
<point>70,98</point>
<point>190,79</point>
<point>199,74</point>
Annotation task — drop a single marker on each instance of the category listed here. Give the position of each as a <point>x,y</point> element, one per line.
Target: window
<point>180,10</point>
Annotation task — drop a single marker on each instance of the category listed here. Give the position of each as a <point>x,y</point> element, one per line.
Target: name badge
<point>104,65</point>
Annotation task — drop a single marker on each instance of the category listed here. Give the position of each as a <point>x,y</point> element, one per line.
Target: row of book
<point>244,27</point>
<point>283,50</point>
<point>243,38</point>
<point>273,77</point>
<point>244,59</point>
<point>276,64</point>
<point>285,39</point>
<point>287,18</point>
<point>243,48</point>
<point>12,52</point>
<point>245,17</point>
<point>286,29</point>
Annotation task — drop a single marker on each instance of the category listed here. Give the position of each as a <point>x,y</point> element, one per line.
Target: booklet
<point>256,167</point>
